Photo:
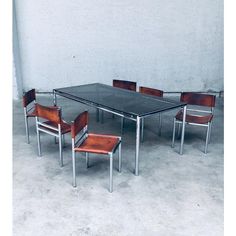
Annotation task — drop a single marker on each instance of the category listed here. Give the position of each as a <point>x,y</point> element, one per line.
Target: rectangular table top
<point>122,101</point>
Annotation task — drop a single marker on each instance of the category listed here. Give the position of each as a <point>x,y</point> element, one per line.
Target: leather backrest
<point>49,113</point>
<point>151,91</point>
<point>28,97</point>
<point>198,99</point>
<point>129,85</point>
<point>79,123</point>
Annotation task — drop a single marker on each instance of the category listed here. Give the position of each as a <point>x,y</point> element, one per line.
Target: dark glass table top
<point>126,102</point>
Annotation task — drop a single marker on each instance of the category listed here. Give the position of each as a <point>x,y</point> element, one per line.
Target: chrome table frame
<point>137,119</point>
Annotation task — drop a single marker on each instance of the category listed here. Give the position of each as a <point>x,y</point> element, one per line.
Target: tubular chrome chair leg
<point>39,144</point>
<point>73,166</point>
<point>38,137</point>
<point>111,173</point>
<point>160,123</point>
<point>142,129</point>
<point>173,137</point>
<point>27,129</point>
<point>207,138</point>
<point>183,131</point>
<point>60,150</point>
<point>119,158</point>
<point>87,159</point>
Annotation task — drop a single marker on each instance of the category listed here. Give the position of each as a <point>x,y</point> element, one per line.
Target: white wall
<point>173,45</point>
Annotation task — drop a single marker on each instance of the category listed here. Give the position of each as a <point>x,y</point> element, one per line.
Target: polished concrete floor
<point>173,195</point>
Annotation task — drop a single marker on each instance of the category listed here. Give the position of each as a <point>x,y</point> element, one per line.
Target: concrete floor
<point>173,195</point>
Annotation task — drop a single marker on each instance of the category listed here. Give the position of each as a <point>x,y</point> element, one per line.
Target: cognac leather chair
<point>85,142</point>
<point>195,115</point>
<point>28,100</point>
<point>124,84</point>
<point>49,120</point>
<point>153,92</point>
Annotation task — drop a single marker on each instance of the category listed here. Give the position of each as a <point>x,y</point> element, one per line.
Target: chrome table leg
<point>111,173</point>
<point>137,146</point>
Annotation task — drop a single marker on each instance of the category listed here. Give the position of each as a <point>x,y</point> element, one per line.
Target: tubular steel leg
<point>183,130</point>
<point>97,114</point>
<point>160,123</point>
<point>73,164</point>
<point>60,150</point>
<point>111,173</point>
<point>137,146</point>
<point>39,144</point>
<point>27,129</point>
<point>87,159</point>
<point>142,129</point>
<point>119,169</point>
<point>173,137</point>
<point>207,138</point>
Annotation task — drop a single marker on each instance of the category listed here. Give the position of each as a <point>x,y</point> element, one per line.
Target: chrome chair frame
<point>208,125</point>
<point>76,142</point>
<point>51,130</point>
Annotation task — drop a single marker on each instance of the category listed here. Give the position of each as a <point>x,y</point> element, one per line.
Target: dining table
<point>127,104</point>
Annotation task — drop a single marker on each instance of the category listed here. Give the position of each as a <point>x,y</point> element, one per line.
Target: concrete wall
<point>173,45</point>
<point>17,84</point>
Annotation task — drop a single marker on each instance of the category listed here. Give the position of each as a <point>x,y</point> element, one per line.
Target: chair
<point>153,92</point>
<point>28,99</point>
<point>85,142</point>
<point>49,120</point>
<point>195,115</point>
<point>124,84</point>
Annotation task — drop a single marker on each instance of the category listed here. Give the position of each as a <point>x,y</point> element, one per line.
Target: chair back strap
<point>129,85</point>
<point>151,91</point>
<point>28,97</point>
<point>49,113</point>
<point>80,122</point>
<point>198,99</point>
